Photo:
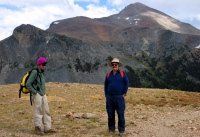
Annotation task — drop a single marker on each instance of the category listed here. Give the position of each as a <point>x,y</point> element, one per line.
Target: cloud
<point>94,1</point>
<point>98,12</point>
<point>37,16</point>
<point>31,13</point>
<point>42,13</point>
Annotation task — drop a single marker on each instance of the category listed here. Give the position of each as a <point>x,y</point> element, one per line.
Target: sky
<point>41,13</point>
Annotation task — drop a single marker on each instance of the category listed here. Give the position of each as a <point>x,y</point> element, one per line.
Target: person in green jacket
<point>36,84</point>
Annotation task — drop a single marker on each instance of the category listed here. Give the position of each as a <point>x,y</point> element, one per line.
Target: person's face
<point>42,66</point>
<point>115,66</point>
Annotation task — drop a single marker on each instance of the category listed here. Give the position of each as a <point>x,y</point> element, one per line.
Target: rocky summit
<point>157,51</point>
<point>136,21</point>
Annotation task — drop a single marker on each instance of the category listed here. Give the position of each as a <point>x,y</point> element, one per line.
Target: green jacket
<point>36,82</point>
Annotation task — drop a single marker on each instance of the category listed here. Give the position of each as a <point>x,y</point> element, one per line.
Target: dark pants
<point>115,102</point>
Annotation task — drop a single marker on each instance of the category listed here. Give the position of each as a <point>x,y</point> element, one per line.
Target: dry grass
<point>17,114</point>
<point>163,97</point>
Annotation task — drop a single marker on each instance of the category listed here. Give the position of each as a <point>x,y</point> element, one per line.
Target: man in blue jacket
<point>115,88</point>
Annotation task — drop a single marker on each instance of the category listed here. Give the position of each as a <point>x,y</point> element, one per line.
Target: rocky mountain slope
<point>136,21</point>
<point>156,50</point>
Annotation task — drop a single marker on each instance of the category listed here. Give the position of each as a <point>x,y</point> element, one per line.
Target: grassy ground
<point>143,105</point>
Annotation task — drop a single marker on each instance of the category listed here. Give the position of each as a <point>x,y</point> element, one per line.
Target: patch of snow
<point>118,18</point>
<point>136,19</point>
<point>127,18</point>
<point>198,47</point>
<point>56,22</point>
<point>47,42</point>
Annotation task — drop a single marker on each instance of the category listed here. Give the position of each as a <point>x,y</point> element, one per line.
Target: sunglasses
<point>44,64</point>
<point>114,64</point>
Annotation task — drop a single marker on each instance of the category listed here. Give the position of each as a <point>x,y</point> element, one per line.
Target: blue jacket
<point>115,84</point>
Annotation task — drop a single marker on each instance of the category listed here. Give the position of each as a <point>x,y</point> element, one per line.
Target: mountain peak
<point>121,26</point>
<point>135,8</point>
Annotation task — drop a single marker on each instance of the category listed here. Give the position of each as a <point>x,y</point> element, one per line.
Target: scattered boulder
<point>73,115</point>
<point>90,115</point>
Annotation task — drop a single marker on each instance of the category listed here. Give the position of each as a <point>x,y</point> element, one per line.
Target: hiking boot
<point>38,131</point>
<point>49,131</point>
<point>110,131</point>
<point>121,134</point>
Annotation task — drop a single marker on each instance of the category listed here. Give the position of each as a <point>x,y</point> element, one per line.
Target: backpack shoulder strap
<point>36,77</point>
<point>108,75</point>
<point>35,69</point>
<point>121,73</point>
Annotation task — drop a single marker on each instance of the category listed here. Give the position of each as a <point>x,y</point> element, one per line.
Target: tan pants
<point>41,111</point>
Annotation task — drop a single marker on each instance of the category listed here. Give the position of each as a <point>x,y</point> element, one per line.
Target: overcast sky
<point>41,13</point>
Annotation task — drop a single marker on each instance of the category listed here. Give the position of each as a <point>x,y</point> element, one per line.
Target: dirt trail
<point>179,122</point>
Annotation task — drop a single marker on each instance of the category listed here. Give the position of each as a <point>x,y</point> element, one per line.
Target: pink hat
<point>41,60</point>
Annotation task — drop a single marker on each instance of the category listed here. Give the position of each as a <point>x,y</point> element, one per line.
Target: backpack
<point>121,73</point>
<point>23,88</point>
